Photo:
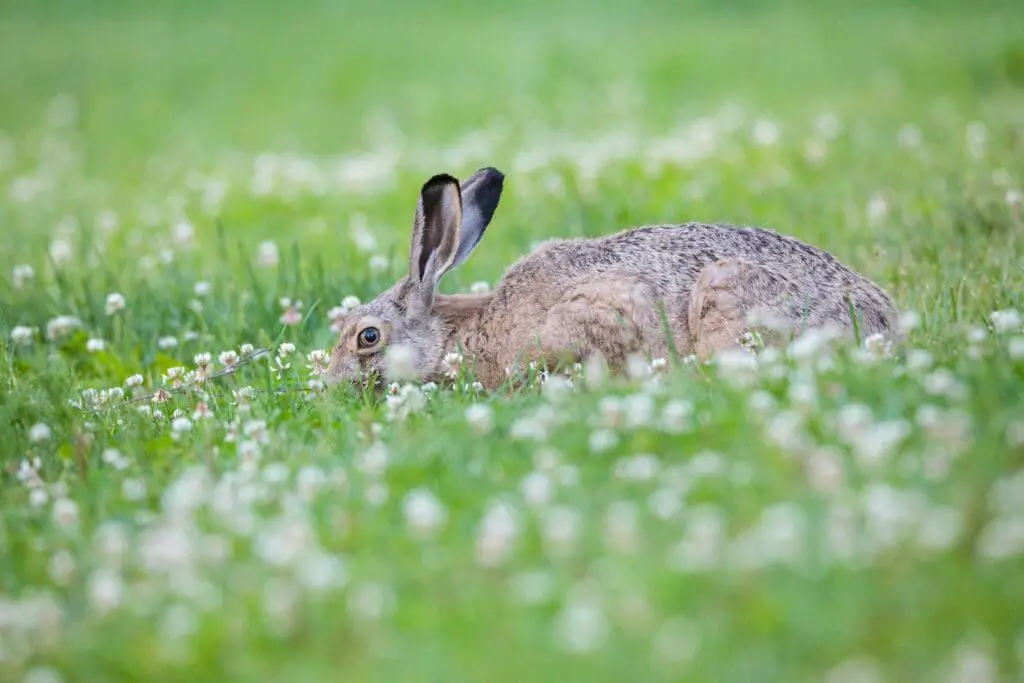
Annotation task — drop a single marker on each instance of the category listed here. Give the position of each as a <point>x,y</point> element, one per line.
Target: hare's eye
<point>368,336</point>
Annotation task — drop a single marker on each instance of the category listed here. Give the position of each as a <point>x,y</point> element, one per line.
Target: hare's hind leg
<point>728,292</point>
<point>610,316</point>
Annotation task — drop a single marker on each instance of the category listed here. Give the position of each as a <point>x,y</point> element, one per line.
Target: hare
<point>688,289</point>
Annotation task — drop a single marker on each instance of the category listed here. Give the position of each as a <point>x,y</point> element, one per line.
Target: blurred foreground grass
<point>828,517</point>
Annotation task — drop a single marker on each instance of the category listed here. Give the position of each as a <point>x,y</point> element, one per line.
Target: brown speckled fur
<point>612,295</point>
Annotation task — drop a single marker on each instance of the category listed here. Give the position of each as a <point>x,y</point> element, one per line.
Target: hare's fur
<point>691,288</point>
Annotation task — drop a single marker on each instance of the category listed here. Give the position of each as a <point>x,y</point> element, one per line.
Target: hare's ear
<point>480,196</point>
<point>435,239</point>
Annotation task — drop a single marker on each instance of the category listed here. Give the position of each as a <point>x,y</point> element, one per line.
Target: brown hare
<point>690,288</point>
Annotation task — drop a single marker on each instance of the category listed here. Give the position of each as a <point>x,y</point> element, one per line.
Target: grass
<point>833,515</point>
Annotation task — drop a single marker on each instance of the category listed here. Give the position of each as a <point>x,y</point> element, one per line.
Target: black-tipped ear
<point>480,196</point>
<point>435,234</point>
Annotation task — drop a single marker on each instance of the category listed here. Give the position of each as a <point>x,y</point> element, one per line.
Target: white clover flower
<point>167,342</point>
<point>643,467</point>
<point>285,349</point>
<point>451,363</point>
<point>133,490</point>
<point>106,591</point>
<point>61,251</point>
<point>424,513</point>
<point>201,288</point>
<point>268,254</point>
<point>180,425</point>
<point>115,303</point>
<point>21,275</point>
<point>60,326</point>
<point>61,567</point>
<point>65,513</point>
<point>95,345</point>
<point>481,287</point>
<point>370,600</point>
<point>22,335</point>
<point>1008,320</point>
<point>908,321</point>
<point>318,360</point>
<point>480,418</point>
<point>537,489</point>
<point>496,534</point>
<point>582,627</point>
<point>602,440</point>
<point>1014,197</point>
<point>228,358</point>
<point>401,362</point>
<point>39,432</point>
<point>560,528</point>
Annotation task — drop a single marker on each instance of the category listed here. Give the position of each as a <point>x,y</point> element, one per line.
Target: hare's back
<point>670,257</point>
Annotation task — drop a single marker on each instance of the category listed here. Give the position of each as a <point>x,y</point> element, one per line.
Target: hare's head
<point>401,327</point>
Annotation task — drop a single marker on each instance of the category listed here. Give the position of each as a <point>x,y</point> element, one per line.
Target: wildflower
<point>908,321</point>
<point>106,590</point>
<point>1015,348</point>
<point>21,275</point>
<point>602,440</point>
<point>537,489</point>
<point>201,412</point>
<point>621,526</point>
<point>642,467</point>
<point>480,417</point>
<point>766,133</point>
<point>38,497</point>
<point>22,335</point>
<point>292,315</point>
<point>61,251</point>
<point>180,425</point>
<point>496,534</point>
<point>95,345</point>
<point>451,363</point>
<point>113,458</point>
<point>909,137</point>
<point>480,287</point>
<point>1014,197</point>
<point>1008,320</point>
<point>827,125</point>
<point>378,263</point>
<point>318,359</point>
<point>167,342</point>
<point>201,288</point>
<point>60,326</point>
<point>133,490</point>
<point>556,388</point>
<point>61,567</point>
<point>877,210</point>
<point>115,303</point>
<point>423,512</point>
<point>285,349</point>
<point>39,432</point>
<point>676,642</point>
<point>268,254</point>
<point>370,601</point>
<point>65,513</point>
<point>532,588</point>
<point>560,527</point>
<point>410,399</point>
<point>878,345</point>
<point>582,626</point>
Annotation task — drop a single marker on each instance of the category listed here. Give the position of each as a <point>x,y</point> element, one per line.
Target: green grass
<point>839,517</point>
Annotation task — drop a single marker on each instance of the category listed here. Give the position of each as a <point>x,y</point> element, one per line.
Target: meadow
<point>191,194</point>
